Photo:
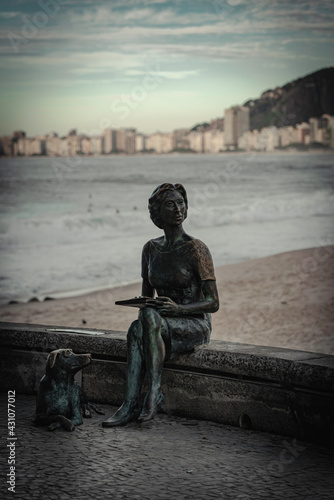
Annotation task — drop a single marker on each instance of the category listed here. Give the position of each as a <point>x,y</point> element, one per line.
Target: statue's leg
<point>135,374</point>
<point>154,352</point>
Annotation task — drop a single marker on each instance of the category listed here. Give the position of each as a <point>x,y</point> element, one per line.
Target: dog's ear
<point>52,358</point>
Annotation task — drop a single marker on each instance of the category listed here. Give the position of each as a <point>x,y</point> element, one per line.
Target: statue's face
<point>173,209</point>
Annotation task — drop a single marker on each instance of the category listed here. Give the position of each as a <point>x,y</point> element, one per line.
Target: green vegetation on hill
<point>295,102</point>
<point>308,97</point>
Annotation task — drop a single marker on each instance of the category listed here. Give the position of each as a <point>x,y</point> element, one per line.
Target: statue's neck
<point>173,235</point>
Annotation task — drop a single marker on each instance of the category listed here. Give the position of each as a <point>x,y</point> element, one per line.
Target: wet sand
<point>285,300</point>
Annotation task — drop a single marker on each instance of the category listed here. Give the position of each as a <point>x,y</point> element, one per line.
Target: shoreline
<point>284,300</point>
<point>177,153</point>
<point>66,294</point>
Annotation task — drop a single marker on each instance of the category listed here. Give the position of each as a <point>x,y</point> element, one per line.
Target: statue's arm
<point>147,290</point>
<point>209,303</point>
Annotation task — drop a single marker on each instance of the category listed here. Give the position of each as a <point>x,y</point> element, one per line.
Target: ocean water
<point>70,225</point>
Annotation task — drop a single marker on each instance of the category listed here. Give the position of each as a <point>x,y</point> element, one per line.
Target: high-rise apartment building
<point>125,140</point>
<point>130,142</point>
<point>327,124</point>
<point>109,140</point>
<point>85,145</point>
<point>140,143</point>
<point>236,123</point>
<point>97,145</point>
<point>160,142</point>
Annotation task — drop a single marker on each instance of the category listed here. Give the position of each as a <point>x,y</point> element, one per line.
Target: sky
<point>152,65</point>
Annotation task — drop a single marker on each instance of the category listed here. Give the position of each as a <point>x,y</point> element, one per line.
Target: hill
<point>295,102</point>
<point>308,97</point>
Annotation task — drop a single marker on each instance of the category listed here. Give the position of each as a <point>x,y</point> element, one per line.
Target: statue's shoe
<point>150,410</point>
<point>122,416</point>
<point>115,422</point>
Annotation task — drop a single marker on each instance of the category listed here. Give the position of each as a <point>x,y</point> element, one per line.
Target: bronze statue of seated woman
<point>179,269</point>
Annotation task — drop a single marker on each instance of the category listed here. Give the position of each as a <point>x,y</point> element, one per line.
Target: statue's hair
<point>158,195</point>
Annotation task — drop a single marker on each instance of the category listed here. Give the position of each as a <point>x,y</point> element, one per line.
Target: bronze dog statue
<point>60,401</point>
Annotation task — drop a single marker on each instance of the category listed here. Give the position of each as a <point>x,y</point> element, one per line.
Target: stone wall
<point>268,389</point>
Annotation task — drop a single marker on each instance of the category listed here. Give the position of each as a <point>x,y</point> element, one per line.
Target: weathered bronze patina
<point>60,401</point>
<point>179,269</point>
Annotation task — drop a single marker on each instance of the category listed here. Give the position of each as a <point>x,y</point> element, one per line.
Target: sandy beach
<point>285,300</point>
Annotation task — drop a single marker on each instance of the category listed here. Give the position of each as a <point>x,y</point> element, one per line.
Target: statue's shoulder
<point>196,243</point>
<point>200,249</point>
<point>156,242</point>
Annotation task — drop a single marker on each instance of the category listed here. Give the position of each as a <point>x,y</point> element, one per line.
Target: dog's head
<point>66,360</point>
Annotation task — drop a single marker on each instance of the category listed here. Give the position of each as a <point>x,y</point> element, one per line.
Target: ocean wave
<point>88,230</point>
<point>319,203</point>
<point>72,229</point>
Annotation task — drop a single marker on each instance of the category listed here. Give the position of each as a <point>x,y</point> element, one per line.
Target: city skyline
<point>152,65</point>
<point>231,134</point>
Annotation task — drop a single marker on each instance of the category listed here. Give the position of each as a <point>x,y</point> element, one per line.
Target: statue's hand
<point>165,306</point>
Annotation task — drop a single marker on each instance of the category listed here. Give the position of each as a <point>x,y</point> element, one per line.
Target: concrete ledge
<point>264,388</point>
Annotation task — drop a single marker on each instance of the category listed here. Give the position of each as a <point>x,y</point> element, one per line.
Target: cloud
<point>170,75</point>
<point>9,15</point>
<point>138,14</point>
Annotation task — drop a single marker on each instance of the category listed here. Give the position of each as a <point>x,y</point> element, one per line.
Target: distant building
<point>140,143</point>
<point>213,141</point>
<point>217,123</point>
<point>196,141</point>
<point>29,146</point>
<point>160,142</point>
<point>327,125</point>
<point>52,146</point>
<point>285,136</point>
<point>63,147</point>
<point>120,140</point>
<point>204,138</point>
<point>315,135</point>
<point>96,145</point>
<point>21,147</point>
<point>125,140</point>
<point>236,123</point>
<point>73,144</point>
<point>301,134</point>
<point>180,139</point>
<point>85,145</point>
<point>267,139</point>
<point>109,140</point>
<point>130,141</point>
<point>6,146</point>
<point>249,140</point>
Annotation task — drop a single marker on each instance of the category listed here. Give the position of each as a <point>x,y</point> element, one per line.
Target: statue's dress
<point>178,274</point>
